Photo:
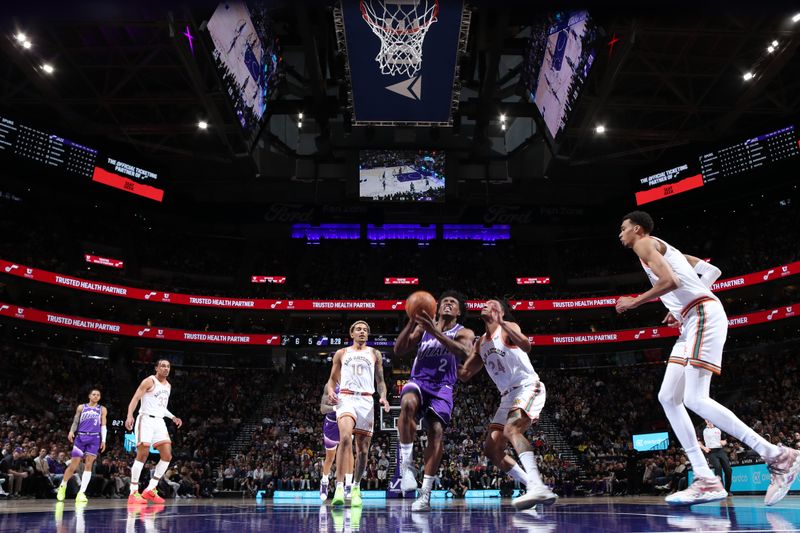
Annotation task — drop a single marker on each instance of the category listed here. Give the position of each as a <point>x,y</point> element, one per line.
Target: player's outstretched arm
<point>472,365</point>
<point>144,386</point>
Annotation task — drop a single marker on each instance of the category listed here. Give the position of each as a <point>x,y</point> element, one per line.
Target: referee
<point>716,456</point>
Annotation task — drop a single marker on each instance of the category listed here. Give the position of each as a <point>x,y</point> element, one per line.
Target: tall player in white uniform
<point>150,429</point>
<point>687,380</point>
<point>358,369</point>
<point>503,350</point>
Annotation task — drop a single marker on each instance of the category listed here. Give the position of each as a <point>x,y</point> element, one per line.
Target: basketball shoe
<point>700,491</point>
<point>783,470</point>
<point>152,495</point>
<point>136,499</point>
<point>355,496</point>
<point>408,480</point>
<point>423,503</point>
<point>535,494</point>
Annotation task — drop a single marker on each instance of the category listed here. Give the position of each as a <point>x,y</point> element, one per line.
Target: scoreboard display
<point>748,155</point>
<point>25,142</point>
<point>325,341</point>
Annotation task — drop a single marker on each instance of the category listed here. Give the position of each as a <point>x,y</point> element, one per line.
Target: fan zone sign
<point>402,58</point>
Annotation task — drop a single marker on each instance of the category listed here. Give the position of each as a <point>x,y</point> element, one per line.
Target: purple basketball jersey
<point>434,362</point>
<point>91,419</point>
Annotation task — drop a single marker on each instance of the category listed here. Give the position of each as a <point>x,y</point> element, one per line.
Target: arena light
<point>770,49</point>
<point>48,68</point>
<point>600,129</point>
<point>203,125</point>
<point>26,45</point>
<point>502,117</point>
<point>796,17</point>
<point>774,43</point>
<point>21,37</point>
<point>747,76</point>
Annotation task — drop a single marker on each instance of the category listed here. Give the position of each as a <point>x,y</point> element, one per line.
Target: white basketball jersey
<point>691,288</point>
<point>154,401</point>
<point>508,367</point>
<point>358,370</point>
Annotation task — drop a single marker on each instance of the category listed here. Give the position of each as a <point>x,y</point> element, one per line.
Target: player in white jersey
<point>687,380</point>
<point>503,350</point>
<point>153,392</point>
<point>358,369</point>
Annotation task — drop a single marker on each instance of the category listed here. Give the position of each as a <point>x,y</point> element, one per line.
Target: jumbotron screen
<point>557,61</point>
<point>401,175</point>
<point>247,56</point>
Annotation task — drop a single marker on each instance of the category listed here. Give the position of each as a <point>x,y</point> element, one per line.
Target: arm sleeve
<point>169,415</point>
<point>103,433</point>
<point>708,273</point>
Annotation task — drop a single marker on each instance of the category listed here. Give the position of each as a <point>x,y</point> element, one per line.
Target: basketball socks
<point>698,384</point>
<point>136,471</point>
<point>531,469</point>
<point>85,478</point>
<point>427,483</point>
<point>348,479</point>
<point>405,452</point>
<point>518,474</point>
<point>161,468</point>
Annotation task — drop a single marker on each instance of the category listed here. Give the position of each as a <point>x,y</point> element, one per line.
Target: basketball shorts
<point>529,398</point>
<point>436,398</point>
<point>151,430</point>
<point>85,444</point>
<point>703,334</point>
<point>330,433</point>
<point>359,408</point>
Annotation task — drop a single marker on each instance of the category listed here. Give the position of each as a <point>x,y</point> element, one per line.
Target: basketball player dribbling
<point>358,369</point>
<point>150,429</point>
<point>687,380</point>
<point>88,438</point>
<point>503,350</point>
<point>330,438</point>
<point>441,342</point>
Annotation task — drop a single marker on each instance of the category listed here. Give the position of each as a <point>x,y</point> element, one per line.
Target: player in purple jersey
<point>440,342</point>
<point>88,438</point>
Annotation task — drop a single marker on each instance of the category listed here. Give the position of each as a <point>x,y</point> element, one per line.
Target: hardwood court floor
<point>739,513</point>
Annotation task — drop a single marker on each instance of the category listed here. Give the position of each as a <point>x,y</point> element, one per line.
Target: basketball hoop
<point>401,26</point>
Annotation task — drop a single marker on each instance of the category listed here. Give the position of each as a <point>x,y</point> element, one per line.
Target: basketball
<point>419,301</point>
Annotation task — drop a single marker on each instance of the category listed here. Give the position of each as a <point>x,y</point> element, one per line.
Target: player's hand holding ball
<point>421,308</point>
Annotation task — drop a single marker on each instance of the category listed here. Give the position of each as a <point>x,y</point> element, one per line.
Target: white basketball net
<point>401,26</point>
